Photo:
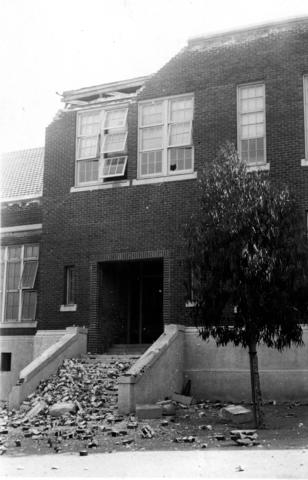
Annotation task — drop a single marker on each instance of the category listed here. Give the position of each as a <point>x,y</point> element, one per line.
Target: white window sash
<point>34,274</point>
<point>306,114</point>
<point>114,150</point>
<point>240,114</point>
<point>124,122</point>
<point>102,165</point>
<point>184,144</point>
<point>166,107</point>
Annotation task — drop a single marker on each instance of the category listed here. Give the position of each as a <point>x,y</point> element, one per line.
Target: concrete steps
<point>128,349</point>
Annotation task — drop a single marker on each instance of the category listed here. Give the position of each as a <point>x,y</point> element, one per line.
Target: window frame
<point>69,285</point>
<point>22,259</point>
<point>101,138</point>
<point>305,101</point>
<point>239,125</point>
<point>165,124</point>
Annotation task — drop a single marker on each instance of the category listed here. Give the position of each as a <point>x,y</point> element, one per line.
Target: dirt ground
<point>194,427</point>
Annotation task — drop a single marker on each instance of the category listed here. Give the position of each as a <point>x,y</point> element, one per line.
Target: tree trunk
<point>255,386</point>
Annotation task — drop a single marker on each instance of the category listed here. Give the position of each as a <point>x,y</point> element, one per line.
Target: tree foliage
<point>248,252</point>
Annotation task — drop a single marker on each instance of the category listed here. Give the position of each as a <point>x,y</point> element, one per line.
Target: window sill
<point>170,178</point>
<point>101,186</point>
<point>68,308</point>
<point>28,324</point>
<point>258,167</point>
<point>304,162</point>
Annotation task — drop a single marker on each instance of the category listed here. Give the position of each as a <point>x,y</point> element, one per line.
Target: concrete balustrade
<point>72,344</point>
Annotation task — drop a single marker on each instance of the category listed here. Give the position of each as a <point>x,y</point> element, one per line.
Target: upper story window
<point>306,113</point>
<point>165,136</point>
<point>18,295</point>
<point>101,145</point>
<point>251,123</point>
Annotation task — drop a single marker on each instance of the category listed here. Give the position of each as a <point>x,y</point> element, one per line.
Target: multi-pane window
<point>165,136</point>
<point>69,292</point>
<point>18,296</point>
<point>306,113</point>
<point>101,135</point>
<point>251,123</point>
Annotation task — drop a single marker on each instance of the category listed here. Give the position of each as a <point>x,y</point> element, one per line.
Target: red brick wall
<point>84,228</point>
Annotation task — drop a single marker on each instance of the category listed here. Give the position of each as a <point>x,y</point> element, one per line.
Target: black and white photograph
<point>154,239</point>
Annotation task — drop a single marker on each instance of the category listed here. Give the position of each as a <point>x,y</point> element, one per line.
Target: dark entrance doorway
<point>132,301</point>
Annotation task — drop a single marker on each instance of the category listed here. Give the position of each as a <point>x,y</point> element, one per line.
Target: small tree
<point>248,255</point>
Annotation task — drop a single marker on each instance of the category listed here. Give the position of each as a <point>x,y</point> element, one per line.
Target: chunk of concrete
<point>236,414</point>
<point>38,407</point>
<point>61,408</point>
<point>149,411</point>
<point>183,399</point>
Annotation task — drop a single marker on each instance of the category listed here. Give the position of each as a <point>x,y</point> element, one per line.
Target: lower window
<point>18,294</point>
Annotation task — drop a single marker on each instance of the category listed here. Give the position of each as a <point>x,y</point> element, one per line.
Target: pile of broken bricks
<point>80,403</point>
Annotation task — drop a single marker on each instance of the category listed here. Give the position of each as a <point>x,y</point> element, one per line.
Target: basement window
<point>5,359</point>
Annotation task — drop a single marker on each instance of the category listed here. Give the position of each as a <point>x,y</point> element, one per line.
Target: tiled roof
<point>21,173</point>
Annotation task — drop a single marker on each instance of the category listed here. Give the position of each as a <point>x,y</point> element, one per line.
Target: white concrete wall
<point>21,348</point>
<point>157,374</point>
<point>222,373</point>
<point>44,339</point>
<point>72,344</point>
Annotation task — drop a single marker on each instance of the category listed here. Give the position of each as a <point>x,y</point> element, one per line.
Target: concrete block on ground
<point>184,399</point>
<point>149,411</point>
<point>236,414</point>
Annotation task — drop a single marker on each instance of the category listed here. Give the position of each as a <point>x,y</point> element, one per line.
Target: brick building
<point>21,228</point>
<point>121,168</point>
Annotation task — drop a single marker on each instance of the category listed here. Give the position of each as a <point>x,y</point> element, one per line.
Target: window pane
<point>113,167</point>
<point>13,275</point>
<point>31,251</point>
<point>180,134</point>
<point>14,253</point>
<point>252,123</point>
<point>12,304</point>
<point>89,123</point>
<point>114,142</point>
<point>87,147</point>
<point>151,138</point>
<point>69,285</point>
<point>180,159</point>
<point>152,114</point>
<point>181,110</point>
<point>29,274</point>
<point>151,163</point>
<point>28,305</point>
<point>115,118</point>
<point>87,171</point>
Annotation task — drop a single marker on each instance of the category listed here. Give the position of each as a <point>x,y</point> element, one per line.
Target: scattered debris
<point>83,453</point>
<point>236,414</point>
<point>61,408</point>
<point>182,399</point>
<point>149,411</point>
<point>38,407</point>
<point>147,432</point>
<point>239,469</point>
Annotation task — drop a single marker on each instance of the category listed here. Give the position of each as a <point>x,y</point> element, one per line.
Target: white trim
<point>165,101</point>
<point>21,228</point>
<point>16,324</point>
<point>238,116</point>
<point>171,178</point>
<point>304,162</point>
<point>24,197</point>
<point>68,308</point>
<point>103,186</point>
<point>258,167</point>
<point>305,98</point>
